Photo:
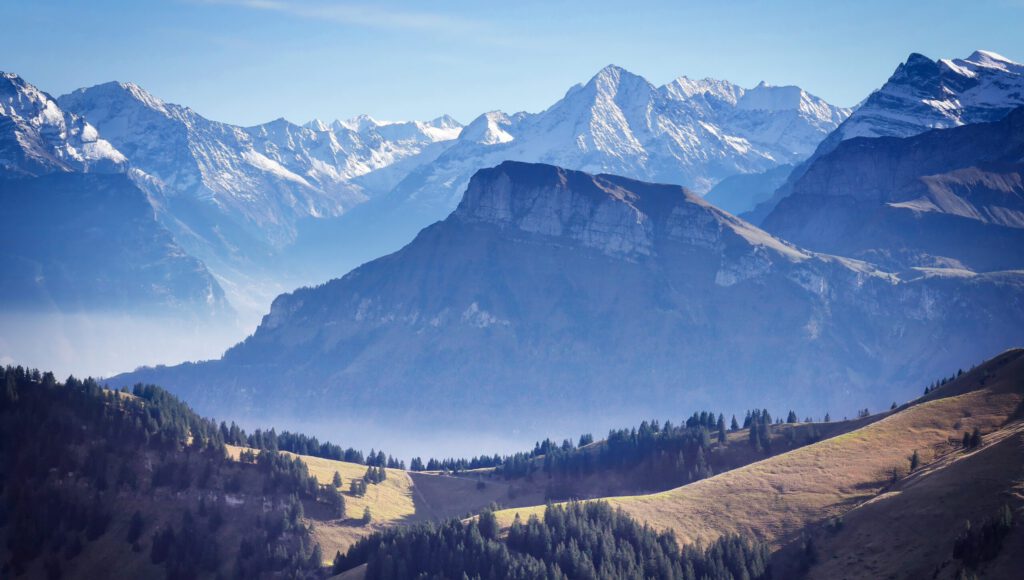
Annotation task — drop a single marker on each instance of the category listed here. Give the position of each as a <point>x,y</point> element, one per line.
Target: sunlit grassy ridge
<point>775,499</point>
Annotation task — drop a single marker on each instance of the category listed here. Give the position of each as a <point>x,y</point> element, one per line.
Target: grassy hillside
<point>778,498</point>
<point>909,530</point>
<point>403,498</point>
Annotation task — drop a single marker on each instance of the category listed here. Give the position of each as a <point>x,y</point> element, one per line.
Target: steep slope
<point>950,197</point>
<point>72,242</point>
<point>904,528</point>
<point>689,132</point>
<point>77,234</point>
<point>559,296</point>
<point>923,94</point>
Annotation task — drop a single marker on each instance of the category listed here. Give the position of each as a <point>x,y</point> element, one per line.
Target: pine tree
<point>735,426</point>
<point>791,418</point>
<point>367,517</point>
<point>915,461</point>
<point>337,480</point>
<point>828,418</point>
<point>721,429</point>
<point>135,527</point>
<point>976,438</point>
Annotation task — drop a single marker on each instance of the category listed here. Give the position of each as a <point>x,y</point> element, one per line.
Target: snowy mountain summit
<point>38,137</point>
<point>688,132</point>
<point>925,94</point>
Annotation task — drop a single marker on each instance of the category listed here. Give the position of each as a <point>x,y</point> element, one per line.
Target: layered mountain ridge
<point>923,94</point>
<point>951,197</point>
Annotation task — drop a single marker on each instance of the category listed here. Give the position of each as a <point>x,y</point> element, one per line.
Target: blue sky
<point>250,61</point>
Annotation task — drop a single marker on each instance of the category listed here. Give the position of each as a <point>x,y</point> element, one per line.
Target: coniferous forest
<point>577,540</point>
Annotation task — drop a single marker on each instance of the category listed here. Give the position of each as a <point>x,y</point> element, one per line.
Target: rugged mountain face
<point>921,95</point>
<point>38,137</point>
<point>691,132</point>
<point>264,177</point>
<point>74,243</point>
<point>78,235</point>
<point>952,197</point>
<point>551,295</point>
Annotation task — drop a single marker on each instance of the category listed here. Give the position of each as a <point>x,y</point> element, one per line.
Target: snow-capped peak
<point>360,123</point>
<point>684,88</point>
<point>488,129</point>
<point>317,125</point>
<point>40,137</point>
<point>989,59</point>
<point>924,94</point>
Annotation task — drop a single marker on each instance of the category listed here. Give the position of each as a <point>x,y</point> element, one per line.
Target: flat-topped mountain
<point>554,294</point>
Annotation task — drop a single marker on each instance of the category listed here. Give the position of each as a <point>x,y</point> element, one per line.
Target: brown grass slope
<point>909,531</point>
<point>403,498</point>
<point>778,498</point>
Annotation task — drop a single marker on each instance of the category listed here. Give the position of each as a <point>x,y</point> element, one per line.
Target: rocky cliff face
<point>921,95</point>
<point>950,197</point>
<point>565,298</point>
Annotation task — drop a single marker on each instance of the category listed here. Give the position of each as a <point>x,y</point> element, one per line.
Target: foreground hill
<point>903,524</point>
<point>570,301</point>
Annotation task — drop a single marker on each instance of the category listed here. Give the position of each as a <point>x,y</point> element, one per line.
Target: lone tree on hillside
<point>337,480</point>
<point>367,518</point>
<point>915,461</point>
<point>335,501</point>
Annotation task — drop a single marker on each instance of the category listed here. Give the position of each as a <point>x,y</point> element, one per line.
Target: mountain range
<point>690,132</point>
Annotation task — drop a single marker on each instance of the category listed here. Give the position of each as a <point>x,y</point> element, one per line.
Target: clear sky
<point>250,61</point>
